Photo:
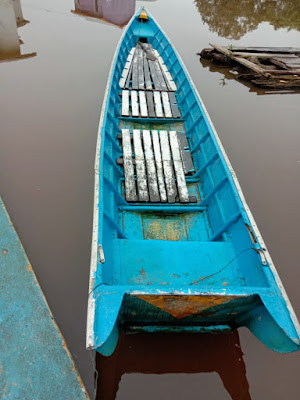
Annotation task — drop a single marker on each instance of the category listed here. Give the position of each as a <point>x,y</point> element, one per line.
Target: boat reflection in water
<point>11,17</point>
<point>117,12</point>
<point>174,354</point>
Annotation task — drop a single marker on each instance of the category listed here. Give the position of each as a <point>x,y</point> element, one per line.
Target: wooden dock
<point>275,68</point>
<point>35,362</point>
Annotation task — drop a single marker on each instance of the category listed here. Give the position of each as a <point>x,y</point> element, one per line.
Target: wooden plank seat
<point>155,164</point>
<point>149,104</point>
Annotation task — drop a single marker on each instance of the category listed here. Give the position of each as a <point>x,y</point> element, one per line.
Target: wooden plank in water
<point>261,55</point>
<point>150,104</point>
<point>266,49</point>
<point>158,105</point>
<point>174,107</point>
<point>155,79</point>
<point>185,153</point>
<point>125,103</point>
<point>243,61</point>
<point>130,186</point>
<point>141,79</point>
<point>177,161</point>
<point>159,167</point>
<point>134,104</point>
<point>143,104</point>
<point>140,166</point>
<point>135,70</point>
<point>151,170</point>
<point>148,81</point>
<point>166,103</point>
<point>168,166</point>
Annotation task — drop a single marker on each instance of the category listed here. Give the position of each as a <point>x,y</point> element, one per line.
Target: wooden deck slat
<point>143,104</point>
<point>168,166</point>
<point>128,80</point>
<point>151,170</point>
<point>174,107</point>
<point>127,68</point>
<point>141,78</point>
<point>125,103</point>
<point>158,105</point>
<point>166,103</point>
<point>135,70</point>
<point>159,74</point>
<point>177,161</point>
<point>140,166</point>
<point>159,166</point>
<point>155,79</point>
<point>130,186</point>
<point>148,81</point>
<point>150,104</point>
<point>134,104</point>
<point>185,153</point>
<point>168,77</point>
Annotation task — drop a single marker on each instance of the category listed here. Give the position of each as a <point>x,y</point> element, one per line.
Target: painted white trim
<point>242,197</point>
<point>90,337</point>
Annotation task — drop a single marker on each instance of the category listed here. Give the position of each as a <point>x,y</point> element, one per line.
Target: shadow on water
<point>174,354</point>
<point>117,12</point>
<point>234,19</point>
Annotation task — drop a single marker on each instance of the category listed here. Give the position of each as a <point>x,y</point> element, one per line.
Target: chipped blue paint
<point>216,250</point>
<point>35,363</point>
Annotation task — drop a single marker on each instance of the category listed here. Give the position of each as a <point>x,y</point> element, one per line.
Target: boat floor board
<point>159,262</point>
<point>157,166</point>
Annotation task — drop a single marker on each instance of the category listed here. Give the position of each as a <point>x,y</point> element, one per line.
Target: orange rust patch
<point>181,306</point>
<point>29,268</point>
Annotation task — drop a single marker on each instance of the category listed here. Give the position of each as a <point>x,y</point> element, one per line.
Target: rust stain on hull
<point>182,306</point>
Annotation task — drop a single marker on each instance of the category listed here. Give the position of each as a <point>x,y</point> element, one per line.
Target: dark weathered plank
<point>130,186</point>
<point>141,78</point>
<point>140,166</point>
<point>174,107</point>
<point>155,79</point>
<point>159,166</point>
<point>151,170</point>
<point>185,152</point>
<point>150,104</point>
<point>180,178</point>
<point>266,49</point>
<point>148,81</point>
<point>135,70</point>
<point>129,78</point>
<point>168,166</point>
<point>160,76</point>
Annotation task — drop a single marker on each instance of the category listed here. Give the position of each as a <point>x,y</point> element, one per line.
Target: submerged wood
<point>267,67</point>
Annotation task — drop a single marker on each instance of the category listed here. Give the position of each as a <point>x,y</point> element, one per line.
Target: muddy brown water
<point>50,107</point>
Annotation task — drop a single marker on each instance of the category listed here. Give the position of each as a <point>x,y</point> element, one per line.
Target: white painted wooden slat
<point>125,103</point>
<point>134,104</point>
<point>151,170</point>
<point>166,103</point>
<point>140,166</point>
<point>177,161</point>
<point>159,166</point>
<point>143,104</point>
<point>168,166</point>
<point>158,105</point>
<point>130,186</point>
<point>126,69</point>
<point>141,79</point>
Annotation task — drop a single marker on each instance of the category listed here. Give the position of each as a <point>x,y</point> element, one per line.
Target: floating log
<point>268,67</point>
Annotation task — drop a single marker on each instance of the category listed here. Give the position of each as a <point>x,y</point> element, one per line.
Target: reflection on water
<point>11,17</point>
<point>174,354</point>
<point>233,19</point>
<point>117,12</point>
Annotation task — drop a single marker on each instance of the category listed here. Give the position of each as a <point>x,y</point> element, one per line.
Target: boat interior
<point>168,197</point>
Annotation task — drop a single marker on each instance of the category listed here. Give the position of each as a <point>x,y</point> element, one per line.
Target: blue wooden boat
<point>175,247</point>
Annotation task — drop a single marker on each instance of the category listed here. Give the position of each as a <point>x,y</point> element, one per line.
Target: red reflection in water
<point>167,353</point>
